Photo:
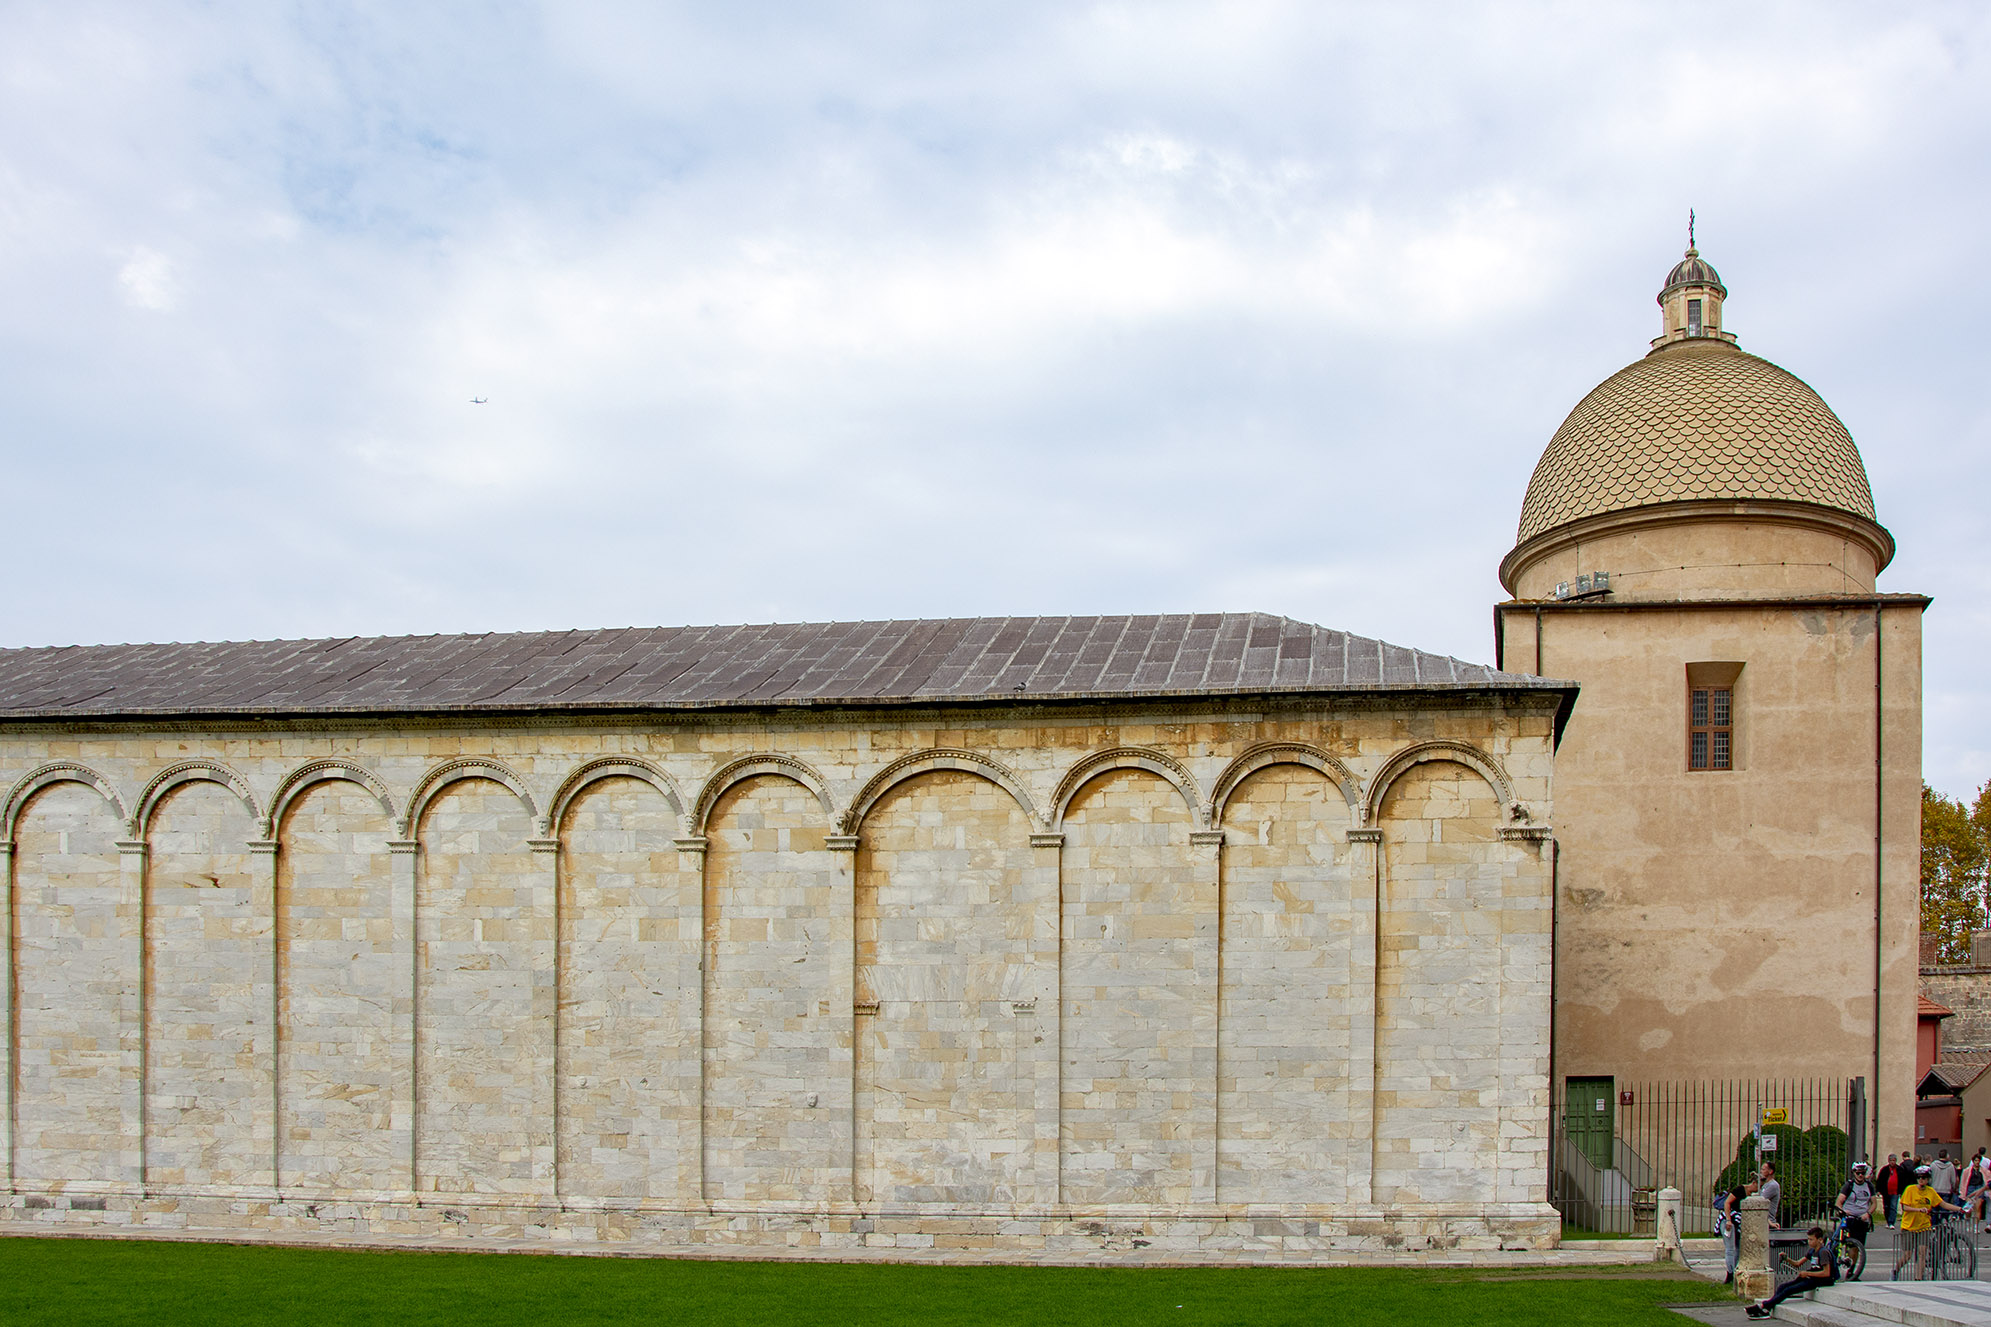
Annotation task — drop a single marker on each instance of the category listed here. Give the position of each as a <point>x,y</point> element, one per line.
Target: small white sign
<point>1769,1142</point>
<point>1600,1104</point>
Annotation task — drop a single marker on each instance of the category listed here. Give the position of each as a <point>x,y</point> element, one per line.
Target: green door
<point>1590,1118</point>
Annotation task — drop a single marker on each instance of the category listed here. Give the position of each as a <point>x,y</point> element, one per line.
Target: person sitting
<point>1817,1268</point>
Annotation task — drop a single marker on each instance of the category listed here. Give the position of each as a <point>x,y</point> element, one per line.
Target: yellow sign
<point>1777,1115</point>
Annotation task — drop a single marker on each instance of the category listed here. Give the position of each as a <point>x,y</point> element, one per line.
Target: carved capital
<point>1206,838</point>
<point>263,847</point>
<point>132,848</point>
<point>693,843</point>
<point>841,843</point>
<point>1047,840</point>
<point>1526,833</point>
<point>1366,835</point>
<point>402,846</point>
<point>543,845</point>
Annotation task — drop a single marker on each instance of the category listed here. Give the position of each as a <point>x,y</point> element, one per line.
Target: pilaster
<point>132,1047</point>
<point>691,1004</point>
<point>1206,850</point>
<point>543,928</point>
<point>1365,884</point>
<point>1040,1036</point>
<point>844,996</point>
<point>404,861</point>
<point>266,1047</point>
<point>7,984</point>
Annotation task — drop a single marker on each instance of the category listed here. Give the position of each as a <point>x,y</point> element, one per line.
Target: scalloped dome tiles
<point>1696,419</point>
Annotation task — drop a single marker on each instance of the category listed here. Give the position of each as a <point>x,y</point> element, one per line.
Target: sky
<point>787,313</point>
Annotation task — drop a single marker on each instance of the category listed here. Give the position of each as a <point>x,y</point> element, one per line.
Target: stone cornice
<point>1827,520</point>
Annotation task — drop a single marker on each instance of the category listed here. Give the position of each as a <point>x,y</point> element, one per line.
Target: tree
<point>1956,861</point>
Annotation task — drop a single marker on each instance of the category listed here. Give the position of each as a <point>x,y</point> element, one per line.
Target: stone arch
<point>455,771</point>
<point>1268,754</point>
<point>608,767</point>
<point>940,758</point>
<point>57,771</point>
<point>746,767</point>
<point>315,772</point>
<point>190,771</point>
<point>1460,753</point>
<point>1127,757</point>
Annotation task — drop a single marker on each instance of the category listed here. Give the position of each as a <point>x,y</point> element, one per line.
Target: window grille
<point>1711,728</point>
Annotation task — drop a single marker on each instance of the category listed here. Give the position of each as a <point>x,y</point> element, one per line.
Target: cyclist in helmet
<point>1856,1201</point>
<point>1918,1202</point>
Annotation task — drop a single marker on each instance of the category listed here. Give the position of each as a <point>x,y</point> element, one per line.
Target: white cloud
<point>867,310</point>
<point>150,280</point>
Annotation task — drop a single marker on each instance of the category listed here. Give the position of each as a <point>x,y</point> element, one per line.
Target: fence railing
<point>1700,1138</point>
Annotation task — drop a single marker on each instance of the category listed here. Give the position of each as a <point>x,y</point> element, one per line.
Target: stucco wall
<point>1207,978</point>
<point>1722,924</point>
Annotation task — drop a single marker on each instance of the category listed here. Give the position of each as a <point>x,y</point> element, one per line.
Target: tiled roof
<point>1695,419</point>
<point>1953,1075</point>
<point>1927,1008</point>
<point>649,668</point>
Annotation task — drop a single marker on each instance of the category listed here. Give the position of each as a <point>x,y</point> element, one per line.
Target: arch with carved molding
<point>608,767</point>
<point>926,762</point>
<point>1128,757</point>
<point>185,772</point>
<point>1268,754</point>
<point>747,767</point>
<point>58,771</point>
<point>308,776</point>
<point>456,771</point>
<point>1459,753</point>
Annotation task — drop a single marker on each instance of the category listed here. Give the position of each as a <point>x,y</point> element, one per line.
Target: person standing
<point>1731,1225</point>
<point>1942,1175</point>
<point>1766,1184</point>
<point>1889,1180</point>
<point>1856,1201</point>
<point>1918,1202</point>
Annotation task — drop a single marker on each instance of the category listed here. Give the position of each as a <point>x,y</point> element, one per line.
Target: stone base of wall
<point>1217,1233</point>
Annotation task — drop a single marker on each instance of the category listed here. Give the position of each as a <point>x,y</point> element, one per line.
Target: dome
<point>1693,270</point>
<point>1695,420</point>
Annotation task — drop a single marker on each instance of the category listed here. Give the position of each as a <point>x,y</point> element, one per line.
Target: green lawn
<point>74,1281</point>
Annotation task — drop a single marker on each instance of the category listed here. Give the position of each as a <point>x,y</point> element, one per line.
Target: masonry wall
<point>1217,981</point>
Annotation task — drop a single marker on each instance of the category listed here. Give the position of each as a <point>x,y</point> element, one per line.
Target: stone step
<point>1822,1315</point>
<point>1908,1303</point>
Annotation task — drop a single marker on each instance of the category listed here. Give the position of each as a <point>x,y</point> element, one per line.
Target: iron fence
<point>1700,1138</point>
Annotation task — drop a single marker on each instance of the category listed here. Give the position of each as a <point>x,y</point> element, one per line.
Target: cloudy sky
<point>811,311</point>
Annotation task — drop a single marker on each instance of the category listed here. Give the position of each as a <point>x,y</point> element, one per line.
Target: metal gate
<point>1698,1137</point>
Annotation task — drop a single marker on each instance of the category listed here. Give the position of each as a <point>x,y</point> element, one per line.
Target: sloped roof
<point>651,668</point>
<point>1927,1008</point>
<point>1950,1076</point>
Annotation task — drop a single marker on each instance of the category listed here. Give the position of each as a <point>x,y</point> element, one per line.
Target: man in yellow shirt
<point>1918,1201</point>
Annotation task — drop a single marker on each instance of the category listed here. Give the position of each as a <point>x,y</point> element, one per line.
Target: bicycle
<point>1952,1257</point>
<point>1849,1253</point>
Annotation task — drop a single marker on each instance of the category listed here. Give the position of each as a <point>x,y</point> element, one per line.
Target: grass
<point>70,1281</point>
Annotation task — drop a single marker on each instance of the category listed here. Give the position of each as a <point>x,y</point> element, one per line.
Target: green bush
<point>1811,1166</point>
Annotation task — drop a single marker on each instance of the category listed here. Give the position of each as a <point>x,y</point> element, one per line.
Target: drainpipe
<point>1879,1083</point>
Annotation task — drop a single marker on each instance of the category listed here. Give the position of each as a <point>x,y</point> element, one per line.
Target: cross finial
<point>1690,228</point>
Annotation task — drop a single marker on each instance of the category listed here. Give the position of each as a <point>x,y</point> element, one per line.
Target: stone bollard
<point>1666,1228</point>
<point>1753,1277</point>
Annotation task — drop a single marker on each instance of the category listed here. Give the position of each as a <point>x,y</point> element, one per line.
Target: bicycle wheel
<point>1954,1258</point>
<point>1852,1258</point>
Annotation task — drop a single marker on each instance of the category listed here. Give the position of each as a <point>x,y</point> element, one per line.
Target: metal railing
<point>1700,1137</point>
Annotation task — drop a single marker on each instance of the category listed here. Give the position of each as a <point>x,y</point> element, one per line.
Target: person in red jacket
<point>1889,1181</point>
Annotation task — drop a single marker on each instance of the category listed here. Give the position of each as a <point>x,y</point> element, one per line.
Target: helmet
<point>1859,1166</point>
<point>1923,1170</point>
